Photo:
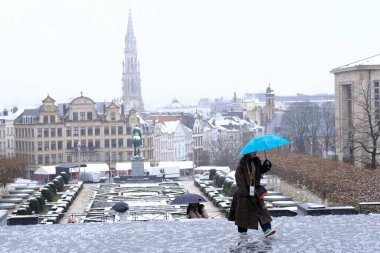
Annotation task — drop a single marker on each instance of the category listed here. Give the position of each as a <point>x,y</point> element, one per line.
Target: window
<point>39,132</point>
<point>68,131</point>
<point>113,143</point>
<point>75,116</point>
<point>113,130</point>
<point>89,130</point>
<point>60,158</point>
<point>52,132</point>
<point>69,158</point>
<point>90,144</point>
<point>107,143</point>
<point>75,131</point>
<point>376,100</point>
<point>39,145</point>
<point>120,130</point>
<point>120,143</point>
<point>113,116</point>
<point>53,145</point>
<point>47,159</point>
<point>106,130</point>
<point>46,132</point>
<point>69,145</point>
<point>46,119</point>
<point>39,159</point>
<point>53,158</point>
<point>59,132</point>
<point>52,119</point>
<point>46,145</point>
<point>82,116</point>
<point>60,146</point>
<point>89,115</point>
<point>97,131</point>
<point>121,156</point>
<point>83,131</point>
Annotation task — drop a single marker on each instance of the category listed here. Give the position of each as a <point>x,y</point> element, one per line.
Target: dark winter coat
<point>248,210</point>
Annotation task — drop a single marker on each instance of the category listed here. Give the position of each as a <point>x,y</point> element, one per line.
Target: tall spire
<point>130,26</point>
<point>131,83</point>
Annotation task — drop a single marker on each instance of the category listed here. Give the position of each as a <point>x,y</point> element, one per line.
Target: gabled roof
<point>372,62</point>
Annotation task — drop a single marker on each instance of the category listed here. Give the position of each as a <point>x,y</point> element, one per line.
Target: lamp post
<point>78,145</point>
<point>109,166</point>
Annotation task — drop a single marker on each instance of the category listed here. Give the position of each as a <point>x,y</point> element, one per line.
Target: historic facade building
<point>131,82</point>
<point>82,129</point>
<point>7,135</point>
<point>172,141</point>
<point>357,108</point>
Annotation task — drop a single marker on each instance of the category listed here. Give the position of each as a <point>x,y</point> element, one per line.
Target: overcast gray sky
<point>187,49</point>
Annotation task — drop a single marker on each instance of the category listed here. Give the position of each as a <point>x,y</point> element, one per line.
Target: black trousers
<point>263,227</point>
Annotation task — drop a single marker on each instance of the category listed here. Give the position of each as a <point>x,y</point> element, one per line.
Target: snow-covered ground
<point>334,233</point>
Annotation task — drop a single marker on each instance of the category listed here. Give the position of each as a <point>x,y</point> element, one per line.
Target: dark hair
<point>200,208</point>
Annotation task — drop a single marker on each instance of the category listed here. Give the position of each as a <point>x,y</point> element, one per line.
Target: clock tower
<point>131,82</point>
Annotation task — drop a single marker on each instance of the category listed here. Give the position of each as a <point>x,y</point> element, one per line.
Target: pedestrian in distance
<point>163,175</point>
<point>196,211</point>
<point>248,210</point>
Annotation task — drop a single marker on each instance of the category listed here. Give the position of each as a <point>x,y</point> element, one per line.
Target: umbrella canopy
<point>188,198</point>
<point>263,142</point>
<point>120,207</point>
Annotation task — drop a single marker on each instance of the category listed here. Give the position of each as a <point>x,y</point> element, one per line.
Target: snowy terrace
<point>333,233</point>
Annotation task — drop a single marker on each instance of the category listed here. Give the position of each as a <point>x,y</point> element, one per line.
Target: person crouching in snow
<point>250,209</point>
<point>196,211</point>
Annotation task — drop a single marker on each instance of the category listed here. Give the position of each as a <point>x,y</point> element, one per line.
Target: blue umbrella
<point>263,142</point>
<point>187,199</point>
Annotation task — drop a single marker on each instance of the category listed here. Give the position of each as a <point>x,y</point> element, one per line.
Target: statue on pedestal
<point>136,140</point>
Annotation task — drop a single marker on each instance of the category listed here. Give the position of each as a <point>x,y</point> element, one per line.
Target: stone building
<point>7,143</point>
<point>172,141</point>
<point>197,138</point>
<point>82,129</point>
<point>131,82</point>
<point>352,81</point>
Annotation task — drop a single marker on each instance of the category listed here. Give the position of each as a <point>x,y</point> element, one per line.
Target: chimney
<point>5,112</point>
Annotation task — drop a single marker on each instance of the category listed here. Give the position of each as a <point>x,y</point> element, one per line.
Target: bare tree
<point>328,124</point>
<point>203,158</point>
<point>365,132</point>
<point>313,127</point>
<point>223,154</point>
<point>295,122</point>
<point>306,123</point>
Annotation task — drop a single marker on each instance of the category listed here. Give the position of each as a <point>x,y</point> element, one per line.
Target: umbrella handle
<point>265,154</point>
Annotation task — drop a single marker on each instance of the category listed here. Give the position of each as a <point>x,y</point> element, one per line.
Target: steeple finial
<point>130,25</point>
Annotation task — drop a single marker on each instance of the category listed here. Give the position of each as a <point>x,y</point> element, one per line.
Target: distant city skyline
<point>187,50</point>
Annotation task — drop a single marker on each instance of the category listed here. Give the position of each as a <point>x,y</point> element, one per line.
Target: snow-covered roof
<point>179,164</point>
<point>372,62</point>
<point>91,167</point>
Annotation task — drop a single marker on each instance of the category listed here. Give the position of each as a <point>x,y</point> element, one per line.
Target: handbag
<point>260,192</point>
<point>231,212</point>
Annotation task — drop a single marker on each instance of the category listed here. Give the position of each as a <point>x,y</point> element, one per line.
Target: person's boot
<point>268,232</point>
<point>243,238</point>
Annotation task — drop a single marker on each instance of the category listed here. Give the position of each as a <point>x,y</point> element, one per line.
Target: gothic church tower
<point>269,105</point>
<point>131,72</point>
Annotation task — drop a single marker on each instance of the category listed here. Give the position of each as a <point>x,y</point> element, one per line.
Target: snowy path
<point>345,233</point>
